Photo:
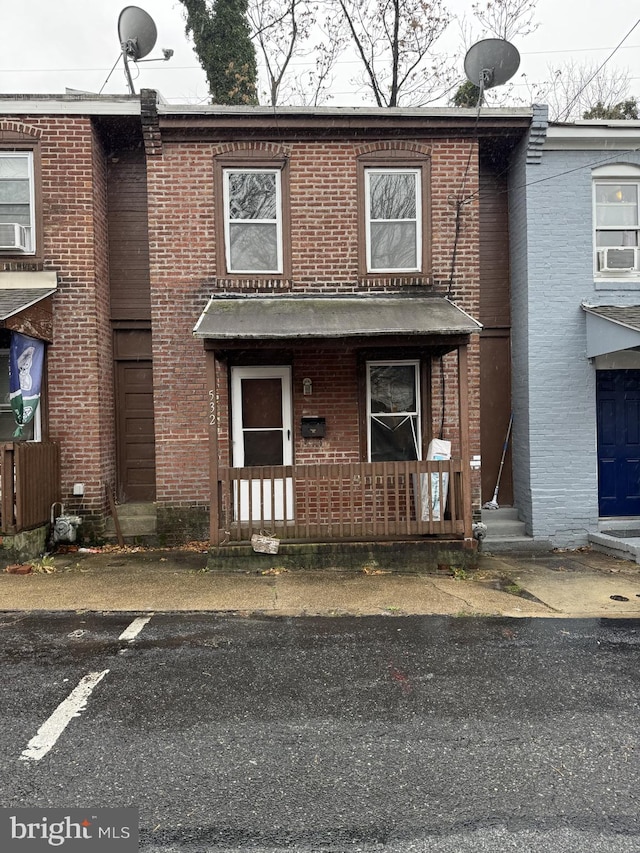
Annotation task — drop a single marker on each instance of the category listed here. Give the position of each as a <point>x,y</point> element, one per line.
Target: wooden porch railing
<point>29,484</point>
<point>346,501</point>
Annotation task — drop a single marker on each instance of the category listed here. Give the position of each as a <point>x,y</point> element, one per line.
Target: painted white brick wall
<point>554,446</point>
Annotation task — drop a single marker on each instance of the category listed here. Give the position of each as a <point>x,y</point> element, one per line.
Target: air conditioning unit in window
<point>618,260</point>
<point>13,236</point>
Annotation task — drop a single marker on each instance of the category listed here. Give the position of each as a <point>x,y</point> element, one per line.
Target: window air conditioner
<point>13,236</point>
<point>618,260</point>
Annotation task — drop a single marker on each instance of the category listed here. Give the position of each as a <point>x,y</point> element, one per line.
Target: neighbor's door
<point>618,408</point>
<point>135,437</point>
<point>136,440</point>
<point>261,431</point>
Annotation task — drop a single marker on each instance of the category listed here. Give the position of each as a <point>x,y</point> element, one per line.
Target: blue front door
<point>618,406</point>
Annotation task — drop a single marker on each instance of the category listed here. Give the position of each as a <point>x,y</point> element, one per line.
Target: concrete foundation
<point>24,546</point>
<point>415,556</point>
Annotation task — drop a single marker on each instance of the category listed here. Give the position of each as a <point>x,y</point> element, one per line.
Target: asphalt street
<point>259,733</point>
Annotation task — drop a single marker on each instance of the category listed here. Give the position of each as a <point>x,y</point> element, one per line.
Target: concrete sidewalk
<point>553,584</point>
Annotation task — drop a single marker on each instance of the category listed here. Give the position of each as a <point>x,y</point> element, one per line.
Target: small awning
<point>280,317</point>
<point>611,328</point>
<point>21,290</point>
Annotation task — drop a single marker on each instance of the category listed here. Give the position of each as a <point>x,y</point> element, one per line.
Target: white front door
<point>261,434</point>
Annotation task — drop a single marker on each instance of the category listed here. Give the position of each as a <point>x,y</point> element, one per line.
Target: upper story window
<point>394,202</point>
<point>393,220</point>
<point>253,220</point>
<point>617,221</point>
<point>17,207</point>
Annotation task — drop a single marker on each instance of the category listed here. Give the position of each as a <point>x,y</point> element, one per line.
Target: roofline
<point>189,117</point>
<point>70,104</point>
<point>592,134</point>
<point>206,117</point>
<point>169,109</point>
<point>71,97</point>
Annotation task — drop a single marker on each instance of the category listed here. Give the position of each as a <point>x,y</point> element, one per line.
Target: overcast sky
<point>47,46</point>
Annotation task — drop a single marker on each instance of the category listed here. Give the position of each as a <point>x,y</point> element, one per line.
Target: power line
<point>576,50</point>
<point>595,74</point>
<point>338,62</point>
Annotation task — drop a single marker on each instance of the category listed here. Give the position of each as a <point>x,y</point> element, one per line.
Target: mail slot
<point>314,427</point>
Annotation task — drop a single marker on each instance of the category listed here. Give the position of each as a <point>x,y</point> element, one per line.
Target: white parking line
<point>71,707</point>
<point>132,631</point>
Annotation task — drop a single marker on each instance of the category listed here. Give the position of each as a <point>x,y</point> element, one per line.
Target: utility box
<point>313,427</point>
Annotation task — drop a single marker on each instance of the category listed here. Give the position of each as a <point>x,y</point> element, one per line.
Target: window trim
<point>396,160</point>
<point>622,173</point>
<point>419,414</point>
<point>30,154</point>
<point>417,220</point>
<point>228,222</point>
<point>252,161</point>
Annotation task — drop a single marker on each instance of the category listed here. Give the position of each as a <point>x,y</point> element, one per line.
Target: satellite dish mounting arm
<point>129,48</point>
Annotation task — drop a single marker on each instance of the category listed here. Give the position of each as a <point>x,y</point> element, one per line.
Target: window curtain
<point>26,362</point>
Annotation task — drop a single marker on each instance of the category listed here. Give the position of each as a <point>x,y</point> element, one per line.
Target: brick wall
<point>324,253</point>
<point>79,363</point>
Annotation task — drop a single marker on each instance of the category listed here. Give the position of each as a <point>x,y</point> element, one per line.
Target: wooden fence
<point>348,501</point>
<point>29,484</point>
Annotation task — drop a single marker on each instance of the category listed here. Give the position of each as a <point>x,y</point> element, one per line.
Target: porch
<point>355,501</point>
<point>368,370</point>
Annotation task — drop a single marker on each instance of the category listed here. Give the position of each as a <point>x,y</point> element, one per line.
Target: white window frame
<point>615,174</point>
<point>227,221</point>
<point>415,363</point>
<point>31,230</point>
<point>385,170</point>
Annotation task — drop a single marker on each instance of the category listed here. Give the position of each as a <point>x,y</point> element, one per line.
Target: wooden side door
<point>135,438</point>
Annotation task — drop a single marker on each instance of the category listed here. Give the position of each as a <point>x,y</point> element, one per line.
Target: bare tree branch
<point>574,89</point>
<point>394,40</point>
<point>505,19</point>
<point>285,30</point>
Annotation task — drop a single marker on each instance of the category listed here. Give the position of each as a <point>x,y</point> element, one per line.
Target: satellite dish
<point>137,32</point>
<point>491,62</point>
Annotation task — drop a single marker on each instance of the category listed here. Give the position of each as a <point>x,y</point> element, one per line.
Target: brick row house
<point>269,322</point>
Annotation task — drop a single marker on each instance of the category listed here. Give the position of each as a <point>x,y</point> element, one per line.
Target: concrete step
<point>503,522</point>
<point>136,509</point>
<point>505,532</point>
<point>618,537</point>
<point>138,521</point>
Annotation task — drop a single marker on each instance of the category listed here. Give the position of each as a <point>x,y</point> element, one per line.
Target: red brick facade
<point>70,181</point>
<point>321,157</point>
<point>324,241</point>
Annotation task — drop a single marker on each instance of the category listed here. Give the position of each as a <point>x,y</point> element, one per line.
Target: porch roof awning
<point>21,290</point>
<point>280,317</point>
<point>611,328</point>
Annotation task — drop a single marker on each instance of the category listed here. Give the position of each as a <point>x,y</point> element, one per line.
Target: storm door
<point>618,407</point>
<point>261,433</point>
